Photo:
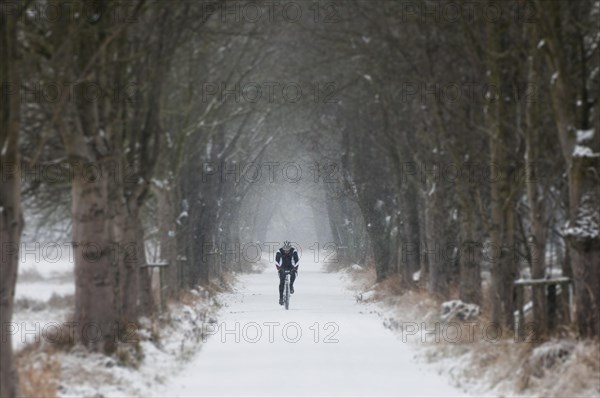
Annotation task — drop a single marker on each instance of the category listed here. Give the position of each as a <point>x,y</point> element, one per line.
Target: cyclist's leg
<point>292,278</point>
<point>281,283</point>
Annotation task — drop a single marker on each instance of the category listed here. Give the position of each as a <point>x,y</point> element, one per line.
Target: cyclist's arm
<point>296,259</point>
<point>278,260</point>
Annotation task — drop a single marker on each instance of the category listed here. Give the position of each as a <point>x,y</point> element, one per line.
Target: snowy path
<point>366,360</point>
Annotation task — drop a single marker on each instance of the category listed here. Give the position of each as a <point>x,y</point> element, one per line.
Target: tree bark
<point>11,218</point>
<point>583,171</point>
<point>168,243</point>
<point>501,226</point>
<point>96,263</point>
<point>470,272</point>
<point>123,236</point>
<point>438,275</point>
<point>537,237</point>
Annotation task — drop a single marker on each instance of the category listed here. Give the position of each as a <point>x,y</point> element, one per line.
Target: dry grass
<point>39,364</point>
<point>335,266</point>
<point>63,342</point>
<point>227,281</point>
<point>547,368</point>
<point>224,283</point>
<point>56,302</point>
<point>186,297</point>
<point>563,368</point>
<point>215,286</point>
<point>363,280</point>
<point>559,368</point>
<point>30,275</point>
<point>556,368</point>
<point>129,354</point>
<point>414,305</point>
<point>39,372</point>
<point>26,303</point>
<point>390,286</point>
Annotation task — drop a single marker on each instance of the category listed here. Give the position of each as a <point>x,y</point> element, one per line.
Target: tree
<point>582,164</point>
<point>11,218</point>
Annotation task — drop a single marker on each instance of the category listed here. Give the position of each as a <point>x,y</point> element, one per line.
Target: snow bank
<point>456,309</point>
<point>162,348</point>
<point>489,366</point>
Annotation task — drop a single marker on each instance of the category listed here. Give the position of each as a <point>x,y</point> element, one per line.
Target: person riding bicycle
<point>286,259</point>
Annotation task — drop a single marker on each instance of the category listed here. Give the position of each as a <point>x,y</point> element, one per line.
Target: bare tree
<point>11,218</point>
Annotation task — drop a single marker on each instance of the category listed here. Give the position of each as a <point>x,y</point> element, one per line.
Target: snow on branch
<point>587,223</point>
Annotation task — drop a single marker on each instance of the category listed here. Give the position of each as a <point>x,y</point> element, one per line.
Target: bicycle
<point>286,289</point>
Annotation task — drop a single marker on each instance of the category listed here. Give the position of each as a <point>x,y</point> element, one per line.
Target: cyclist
<point>286,259</point>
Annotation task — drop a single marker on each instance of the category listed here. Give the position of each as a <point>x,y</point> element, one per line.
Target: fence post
<point>551,290</point>
<point>519,313</point>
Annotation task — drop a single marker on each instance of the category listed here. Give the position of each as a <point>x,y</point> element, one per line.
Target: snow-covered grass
<point>44,291</point>
<point>43,296</point>
<point>41,280</point>
<point>162,345</point>
<point>557,368</point>
<point>158,350</point>
<point>48,368</point>
<point>164,357</point>
<point>39,372</point>
<point>478,361</point>
<point>33,319</point>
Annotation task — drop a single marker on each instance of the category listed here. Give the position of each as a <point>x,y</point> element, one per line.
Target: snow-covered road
<point>325,345</point>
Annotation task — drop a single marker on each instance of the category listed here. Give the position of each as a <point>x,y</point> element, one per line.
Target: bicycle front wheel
<point>287,296</point>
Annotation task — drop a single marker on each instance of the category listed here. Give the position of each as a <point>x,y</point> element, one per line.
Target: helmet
<point>286,246</point>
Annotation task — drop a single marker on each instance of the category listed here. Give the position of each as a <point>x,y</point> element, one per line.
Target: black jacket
<point>287,261</point>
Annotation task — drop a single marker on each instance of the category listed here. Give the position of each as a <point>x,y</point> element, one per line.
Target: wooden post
<point>161,278</point>
<point>519,312</point>
<point>551,298</point>
<point>161,272</point>
<point>181,270</point>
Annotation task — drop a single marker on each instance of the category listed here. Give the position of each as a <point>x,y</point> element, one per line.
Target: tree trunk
<point>123,236</point>
<point>96,264</point>
<point>501,226</point>
<point>537,237</point>
<point>582,238</point>
<point>470,272</point>
<point>146,303</point>
<point>424,264</point>
<point>411,233</point>
<point>333,217</point>
<point>168,243</point>
<point>438,276</point>
<point>11,218</point>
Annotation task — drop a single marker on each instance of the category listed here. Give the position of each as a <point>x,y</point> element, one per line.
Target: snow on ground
<point>43,290</point>
<point>325,345</point>
<point>164,346</point>
<point>33,324</point>
<point>44,270</point>
<point>43,293</point>
<point>334,341</point>
<point>478,361</point>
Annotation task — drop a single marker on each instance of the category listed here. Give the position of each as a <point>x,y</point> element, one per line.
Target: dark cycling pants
<point>282,280</point>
